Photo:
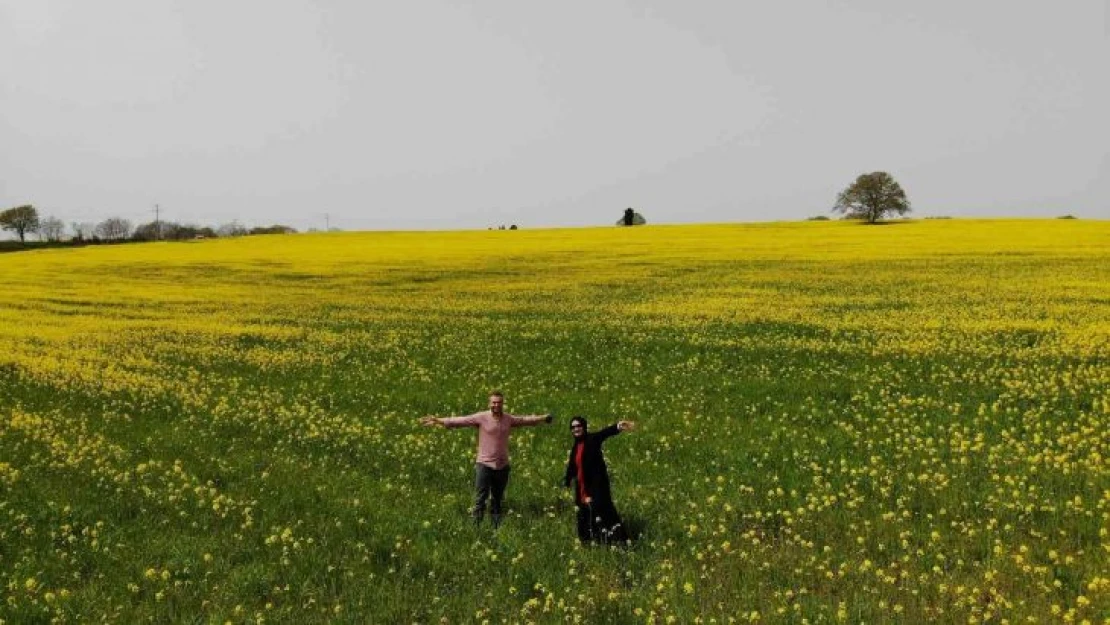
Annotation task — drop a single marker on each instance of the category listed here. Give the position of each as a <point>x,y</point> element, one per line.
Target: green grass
<point>805,423</point>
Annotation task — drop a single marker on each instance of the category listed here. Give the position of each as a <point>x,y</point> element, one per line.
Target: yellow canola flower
<point>207,335</point>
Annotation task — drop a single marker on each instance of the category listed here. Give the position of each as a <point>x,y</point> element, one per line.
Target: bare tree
<point>113,229</point>
<point>233,229</point>
<point>52,229</point>
<point>82,230</point>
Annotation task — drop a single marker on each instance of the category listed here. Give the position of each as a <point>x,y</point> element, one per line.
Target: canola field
<point>838,423</point>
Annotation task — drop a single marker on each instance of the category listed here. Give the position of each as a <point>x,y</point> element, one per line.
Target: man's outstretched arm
<point>449,422</point>
<point>534,419</point>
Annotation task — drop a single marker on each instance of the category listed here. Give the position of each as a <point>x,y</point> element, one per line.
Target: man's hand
<point>626,426</point>
<point>430,421</point>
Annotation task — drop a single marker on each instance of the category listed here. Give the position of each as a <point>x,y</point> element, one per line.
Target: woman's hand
<point>626,426</point>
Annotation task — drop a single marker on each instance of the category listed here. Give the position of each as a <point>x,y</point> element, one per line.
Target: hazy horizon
<point>435,115</point>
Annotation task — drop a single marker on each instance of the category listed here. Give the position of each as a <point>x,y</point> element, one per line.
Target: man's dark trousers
<point>489,481</point>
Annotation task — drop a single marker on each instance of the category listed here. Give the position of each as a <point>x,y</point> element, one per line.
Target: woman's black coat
<point>594,472</point>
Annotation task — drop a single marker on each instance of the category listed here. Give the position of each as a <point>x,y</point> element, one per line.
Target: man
<point>491,467</point>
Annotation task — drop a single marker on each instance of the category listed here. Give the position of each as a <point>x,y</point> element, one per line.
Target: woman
<point>597,516</point>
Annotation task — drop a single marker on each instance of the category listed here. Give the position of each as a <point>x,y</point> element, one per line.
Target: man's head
<point>497,403</point>
<point>578,427</point>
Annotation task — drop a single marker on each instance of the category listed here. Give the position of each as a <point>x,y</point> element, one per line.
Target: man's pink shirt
<point>493,434</point>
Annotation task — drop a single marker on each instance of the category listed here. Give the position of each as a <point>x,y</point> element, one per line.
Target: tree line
<point>25,220</point>
<point>870,198</point>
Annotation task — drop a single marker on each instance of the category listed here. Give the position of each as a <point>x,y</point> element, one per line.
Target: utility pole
<point>157,223</point>
<point>327,223</point>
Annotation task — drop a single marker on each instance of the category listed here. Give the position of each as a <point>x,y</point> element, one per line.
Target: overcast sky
<point>448,114</point>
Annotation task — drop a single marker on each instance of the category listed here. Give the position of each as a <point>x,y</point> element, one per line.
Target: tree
<point>274,229</point>
<point>233,229</point>
<point>171,231</point>
<point>631,218</point>
<point>113,229</point>
<point>183,232</point>
<point>871,197</point>
<point>52,229</point>
<point>21,219</point>
<point>82,230</point>
<point>150,231</point>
